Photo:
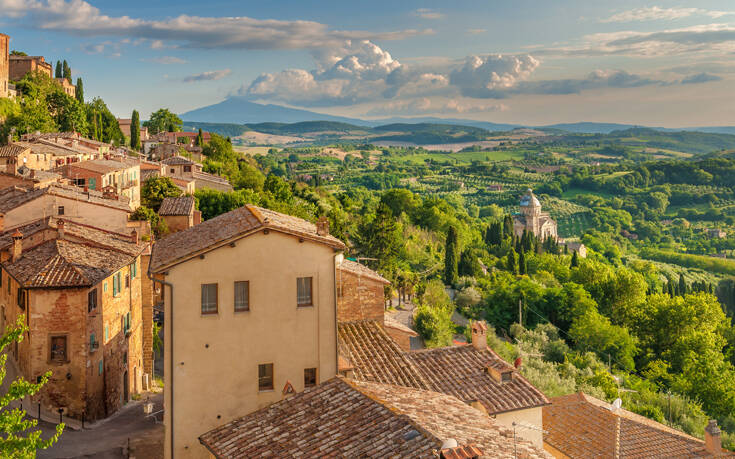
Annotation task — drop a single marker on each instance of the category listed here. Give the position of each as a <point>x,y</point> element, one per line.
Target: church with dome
<point>534,221</point>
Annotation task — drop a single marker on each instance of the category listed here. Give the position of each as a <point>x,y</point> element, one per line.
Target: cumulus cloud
<point>207,76</point>
<point>166,60</point>
<point>700,78</point>
<point>490,76</point>
<point>656,13</point>
<point>78,17</point>
<point>428,13</point>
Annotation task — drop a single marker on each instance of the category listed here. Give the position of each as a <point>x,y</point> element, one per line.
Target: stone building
<point>79,289</point>
<point>250,307</point>
<point>532,220</point>
<point>121,176</point>
<point>66,86</point>
<point>4,65</point>
<point>20,66</point>
<point>178,167</point>
<point>179,213</point>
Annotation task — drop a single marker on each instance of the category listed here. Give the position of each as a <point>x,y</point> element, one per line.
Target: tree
<point>434,316</point>
<point>59,72</point>
<point>380,237</point>
<point>158,225</point>
<point>575,259</point>
<point>468,265</point>
<point>135,131</point>
<point>219,149</point>
<point>522,262</point>
<point>683,290</point>
<point>507,226</point>
<point>66,71</point>
<point>200,138</point>
<point>79,94</point>
<point>17,439</point>
<point>213,203</point>
<point>451,254</point>
<point>155,189</point>
<point>162,120</point>
<point>512,261</point>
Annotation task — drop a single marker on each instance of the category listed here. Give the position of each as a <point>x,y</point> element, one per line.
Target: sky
<point>537,62</point>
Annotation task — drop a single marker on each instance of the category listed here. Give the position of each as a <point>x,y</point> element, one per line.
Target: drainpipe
<point>171,344</point>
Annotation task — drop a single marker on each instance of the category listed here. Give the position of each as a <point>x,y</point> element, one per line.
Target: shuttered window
<point>242,296</point>
<point>265,376</point>
<point>209,298</point>
<point>303,289</point>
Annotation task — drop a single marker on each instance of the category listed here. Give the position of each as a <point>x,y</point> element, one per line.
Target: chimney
<point>17,250</point>
<point>712,438</point>
<point>2,222</point>
<point>479,335</point>
<point>60,228</point>
<point>322,226</point>
<point>134,236</point>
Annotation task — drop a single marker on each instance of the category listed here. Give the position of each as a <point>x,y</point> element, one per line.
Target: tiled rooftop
<point>182,205</point>
<point>178,161</point>
<point>581,426</point>
<point>13,197</point>
<point>229,227</point>
<point>352,419</point>
<point>458,370</point>
<point>361,270</point>
<point>12,150</point>
<point>102,166</point>
<point>375,357</point>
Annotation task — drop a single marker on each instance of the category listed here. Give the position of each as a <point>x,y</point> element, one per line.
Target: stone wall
<point>4,65</point>
<point>178,223</point>
<point>359,297</point>
<point>147,301</point>
<point>401,337</point>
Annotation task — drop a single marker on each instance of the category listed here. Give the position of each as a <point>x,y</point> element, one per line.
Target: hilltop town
<point>185,293</point>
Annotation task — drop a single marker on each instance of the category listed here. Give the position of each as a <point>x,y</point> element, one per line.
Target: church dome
<point>530,200</point>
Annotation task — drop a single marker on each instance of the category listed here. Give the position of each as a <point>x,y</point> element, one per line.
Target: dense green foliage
<point>163,120</point>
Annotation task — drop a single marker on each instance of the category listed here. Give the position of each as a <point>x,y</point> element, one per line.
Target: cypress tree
<point>80,91</point>
<point>200,138</point>
<point>522,262</point>
<point>512,262</point>
<point>451,253</point>
<point>58,73</point>
<point>682,285</point>
<point>135,131</point>
<point>67,71</point>
<point>508,226</point>
<point>575,260</point>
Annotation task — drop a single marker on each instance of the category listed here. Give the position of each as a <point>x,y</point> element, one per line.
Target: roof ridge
<point>256,212</point>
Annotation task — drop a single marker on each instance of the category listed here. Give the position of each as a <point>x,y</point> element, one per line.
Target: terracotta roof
<point>460,371</point>
<point>48,148</point>
<point>12,150</point>
<point>59,263</point>
<point>375,357</point>
<point>206,177</point>
<point>581,426</point>
<point>182,205</point>
<point>102,166</point>
<point>389,322</point>
<point>361,270</point>
<point>13,197</point>
<point>228,227</point>
<point>350,419</point>
<point>177,161</point>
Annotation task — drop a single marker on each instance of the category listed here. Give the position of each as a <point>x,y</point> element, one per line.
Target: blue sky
<point>533,62</point>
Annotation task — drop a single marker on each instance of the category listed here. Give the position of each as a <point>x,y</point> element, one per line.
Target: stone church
<point>532,219</point>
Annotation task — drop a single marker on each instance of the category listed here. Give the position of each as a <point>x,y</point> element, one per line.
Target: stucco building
<point>66,86</point>
<point>120,176</point>
<point>179,213</point>
<point>250,307</point>
<point>532,220</point>
<point>180,168</point>
<point>79,289</point>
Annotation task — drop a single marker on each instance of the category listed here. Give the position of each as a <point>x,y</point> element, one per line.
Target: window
<point>134,269</point>
<point>93,344</point>
<point>242,296</point>
<point>126,323</point>
<point>116,283</point>
<point>173,171</point>
<point>58,349</point>
<point>22,298</point>
<point>107,333</point>
<point>303,295</point>
<point>92,300</point>
<point>265,376</point>
<point>60,210</point>
<point>127,281</point>
<point>104,287</point>
<point>100,367</point>
<point>187,168</point>
<point>209,298</point>
<point>309,377</point>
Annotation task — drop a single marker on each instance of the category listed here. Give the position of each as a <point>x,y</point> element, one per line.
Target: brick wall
<point>361,298</point>
<point>401,337</point>
<point>147,315</point>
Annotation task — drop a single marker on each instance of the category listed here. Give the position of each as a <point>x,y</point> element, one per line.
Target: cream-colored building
<point>250,307</point>
<point>532,220</point>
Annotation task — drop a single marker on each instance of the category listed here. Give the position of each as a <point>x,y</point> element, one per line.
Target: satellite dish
<point>617,404</point>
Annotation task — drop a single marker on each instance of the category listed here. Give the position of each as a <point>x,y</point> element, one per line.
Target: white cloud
<point>700,78</point>
<point>428,13</point>
<point>166,60</point>
<point>207,76</point>
<point>487,76</point>
<point>655,13</point>
<point>81,18</point>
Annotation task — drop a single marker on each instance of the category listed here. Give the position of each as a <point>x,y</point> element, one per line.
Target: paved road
<point>107,438</point>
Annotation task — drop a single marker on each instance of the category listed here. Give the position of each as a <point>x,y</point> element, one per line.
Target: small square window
<point>309,377</point>
<point>209,298</point>
<point>242,296</point>
<point>58,349</point>
<point>60,210</point>
<point>303,295</point>
<point>265,376</point>
<point>92,300</point>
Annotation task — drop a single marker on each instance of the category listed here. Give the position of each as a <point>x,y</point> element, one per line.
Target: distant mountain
<point>239,110</point>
